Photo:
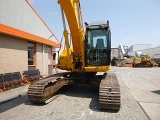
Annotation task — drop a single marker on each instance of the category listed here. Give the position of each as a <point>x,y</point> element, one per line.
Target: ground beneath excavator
<point>43,90</point>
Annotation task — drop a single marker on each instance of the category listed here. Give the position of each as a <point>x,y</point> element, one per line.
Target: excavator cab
<point>98,44</point>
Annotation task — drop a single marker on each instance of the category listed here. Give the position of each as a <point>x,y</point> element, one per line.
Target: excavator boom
<point>72,10</point>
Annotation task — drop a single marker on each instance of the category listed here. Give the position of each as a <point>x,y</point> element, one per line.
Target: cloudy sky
<point>131,21</point>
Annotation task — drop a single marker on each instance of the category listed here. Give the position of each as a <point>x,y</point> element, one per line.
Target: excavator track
<point>145,64</point>
<point>109,92</point>
<point>42,90</point>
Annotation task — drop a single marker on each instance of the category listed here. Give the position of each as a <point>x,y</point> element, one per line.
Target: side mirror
<point>54,56</point>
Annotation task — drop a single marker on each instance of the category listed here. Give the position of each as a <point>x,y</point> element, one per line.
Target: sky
<point>131,21</point>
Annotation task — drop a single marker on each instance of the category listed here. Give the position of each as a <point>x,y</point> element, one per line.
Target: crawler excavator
<point>90,53</point>
<point>144,60</point>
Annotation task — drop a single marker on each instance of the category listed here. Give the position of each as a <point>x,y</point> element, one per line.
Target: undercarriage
<point>109,91</point>
<point>144,64</point>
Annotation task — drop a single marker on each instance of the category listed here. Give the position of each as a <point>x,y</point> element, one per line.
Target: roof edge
<point>41,18</point>
<point>4,29</point>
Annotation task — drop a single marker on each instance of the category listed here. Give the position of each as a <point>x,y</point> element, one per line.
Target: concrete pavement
<point>144,84</point>
<point>140,97</point>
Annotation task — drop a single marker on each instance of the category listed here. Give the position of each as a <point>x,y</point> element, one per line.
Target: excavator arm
<point>91,47</point>
<point>72,10</point>
<point>70,58</point>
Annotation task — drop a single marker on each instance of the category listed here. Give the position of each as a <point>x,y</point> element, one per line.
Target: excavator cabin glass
<point>98,45</point>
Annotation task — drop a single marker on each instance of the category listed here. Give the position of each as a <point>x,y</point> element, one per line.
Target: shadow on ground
<point>85,91</point>
<point>156,91</point>
<point>13,102</point>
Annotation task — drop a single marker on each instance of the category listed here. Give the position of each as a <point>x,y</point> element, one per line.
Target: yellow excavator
<point>90,53</point>
<point>144,60</point>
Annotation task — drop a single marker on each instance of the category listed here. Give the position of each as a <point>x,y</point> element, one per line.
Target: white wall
<point>18,14</point>
<point>151,51</point>
<point>141,47</point>
<point>137,47</point>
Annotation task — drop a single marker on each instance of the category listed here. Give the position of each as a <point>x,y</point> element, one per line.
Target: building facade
<point>137,47</point>
<point>152,52</point>
<point>26,42</point>
<point>114,52</point>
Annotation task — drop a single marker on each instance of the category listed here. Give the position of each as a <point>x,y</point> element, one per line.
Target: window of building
<point>49,55</point>
<point>31,54</point>
<point>50,67</point>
